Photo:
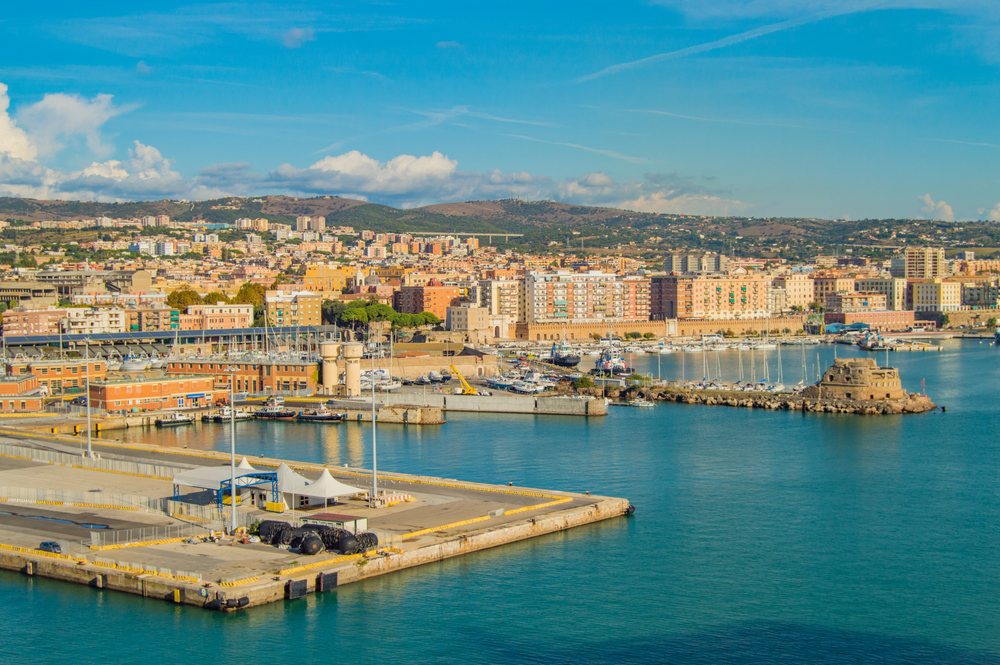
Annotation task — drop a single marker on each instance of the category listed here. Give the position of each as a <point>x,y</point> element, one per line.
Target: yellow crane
<point>466,388</point>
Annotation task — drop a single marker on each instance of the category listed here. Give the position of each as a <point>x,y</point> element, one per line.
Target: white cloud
<point>296,37</point>
<point>59,117</point>
<point>14,141</point>
<point>142,67</point>
<point>939,210</point>
<point>994,215</point>
<point>402,181</point>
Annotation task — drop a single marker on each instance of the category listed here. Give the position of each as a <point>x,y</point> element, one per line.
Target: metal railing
<point>145,535</point>
<point>120,466</point>
<point>115,500</point>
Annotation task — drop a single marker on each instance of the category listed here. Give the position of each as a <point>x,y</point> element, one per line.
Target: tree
<point>582,382</point>
<point>354,316</point>
<point>27,261</point>
<point>596,337</point>
<point>634,335</point>
<point>649,335</point>
<point>215,297</point>
<point>945,320</point>
<point>183,298</point>
<point>431,318</point>
<point>991,322</point>
<point>331,311</point>
<point>250,294</point>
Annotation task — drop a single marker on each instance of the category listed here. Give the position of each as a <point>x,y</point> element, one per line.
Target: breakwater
<point>912,403</point>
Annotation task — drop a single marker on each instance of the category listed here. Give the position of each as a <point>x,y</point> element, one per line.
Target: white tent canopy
<point>326,487</point>
<point>290,482</point>
<point>245,465</point>
<point>212,477</point>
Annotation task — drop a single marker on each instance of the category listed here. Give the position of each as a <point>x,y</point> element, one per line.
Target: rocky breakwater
<point>911,403</point>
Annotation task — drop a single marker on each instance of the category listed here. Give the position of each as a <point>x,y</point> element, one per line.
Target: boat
<point>873,341</point>
<point>610,362</point>
<point>226,415</point>
<point>207,417</point>
<point>132,363</point>
<point>435,377</point>
<point>562,355</point>
<point>320,415</point>
<point>644,403</point>
<point>274,409</point>
<point>388,385</point>
<point>174,419</point>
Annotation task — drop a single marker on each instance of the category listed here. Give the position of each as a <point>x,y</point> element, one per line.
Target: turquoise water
<point>759,537</point>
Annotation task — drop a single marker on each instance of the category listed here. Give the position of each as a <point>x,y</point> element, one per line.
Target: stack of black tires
<point>312,539</point>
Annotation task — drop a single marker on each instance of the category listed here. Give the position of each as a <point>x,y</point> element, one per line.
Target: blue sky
<point>822,108</point>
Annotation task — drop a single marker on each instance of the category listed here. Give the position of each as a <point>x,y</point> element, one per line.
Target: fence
<point>115,500</point>
<point>160,471</point>
<point>145,535</point>
<point>207,514</point>
<point>146,569</point>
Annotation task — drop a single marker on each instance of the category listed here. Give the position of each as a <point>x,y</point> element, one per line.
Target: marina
<point>825,534</point>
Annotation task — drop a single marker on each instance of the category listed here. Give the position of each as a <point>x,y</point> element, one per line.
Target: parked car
<point>80,401</point>
<point>50,546</point>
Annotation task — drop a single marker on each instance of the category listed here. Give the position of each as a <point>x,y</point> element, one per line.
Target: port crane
<point>466,388</point>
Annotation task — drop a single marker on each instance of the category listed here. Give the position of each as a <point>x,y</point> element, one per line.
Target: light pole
<point>374,457</point>
<point>86,346</point>
<point>232,446</point>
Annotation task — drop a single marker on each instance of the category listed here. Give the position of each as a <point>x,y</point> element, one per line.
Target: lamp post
<point>232,446</point>
<point>86,346</point>
<point>374,456</point>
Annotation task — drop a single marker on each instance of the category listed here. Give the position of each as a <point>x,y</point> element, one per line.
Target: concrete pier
<point>432,519</point>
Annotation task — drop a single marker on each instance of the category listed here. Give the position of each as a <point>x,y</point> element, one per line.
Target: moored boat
<point>274,409</point>
<point>320,415</point>
<point>174,419</point>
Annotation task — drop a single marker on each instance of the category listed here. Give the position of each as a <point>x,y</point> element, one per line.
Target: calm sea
<point>759,538</point>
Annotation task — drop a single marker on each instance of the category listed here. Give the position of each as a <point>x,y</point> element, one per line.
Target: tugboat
<point>563,355</point>
<point>174,419</point>
<point>274,409</point>
<point>610,362</point>
<point>320,415</point>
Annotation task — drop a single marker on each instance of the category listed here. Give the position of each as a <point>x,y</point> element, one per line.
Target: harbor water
<point>759,537</point>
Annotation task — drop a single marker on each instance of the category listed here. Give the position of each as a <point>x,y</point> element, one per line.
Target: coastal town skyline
<point>827,110</point>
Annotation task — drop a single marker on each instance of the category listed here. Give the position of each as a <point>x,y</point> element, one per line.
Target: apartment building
<point>937,295</point>
<point>434,297</point>
<point>93,320</point>
<point>24,321</point>
<point>695,263</point>
<point>309,223</point>
<point>709,297</point>
<point>329,277</point>
<point>219,316</point>
<point>299,308</point>
<point>981,293</point>
<point>798,287</point>
<point>851,301</point>
<point>589,296</point>
<point>139,320</point>
<point>893,288</point>
<point>925,263</point>
<point>824,286</point>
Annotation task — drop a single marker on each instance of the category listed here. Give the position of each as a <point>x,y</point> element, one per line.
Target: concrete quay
<point>443,518</point>
<point>549,405</point>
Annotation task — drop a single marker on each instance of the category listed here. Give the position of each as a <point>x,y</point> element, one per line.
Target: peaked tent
<point>326,487</point>
<point>244,464</point>
<point>290,482</point>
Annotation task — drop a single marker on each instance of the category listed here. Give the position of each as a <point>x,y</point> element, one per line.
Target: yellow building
<point>301,308</point>
<point>329,277</point>
<point>935,295</point>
